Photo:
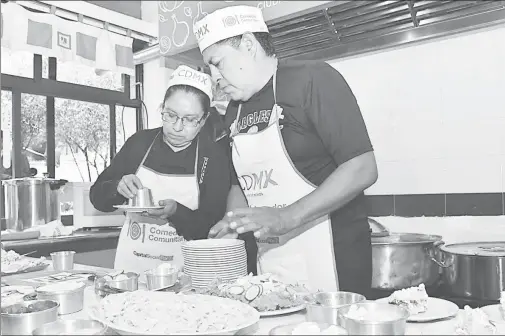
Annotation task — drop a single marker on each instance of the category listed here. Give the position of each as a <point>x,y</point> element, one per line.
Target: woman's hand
<point>129,185</point>
<point>169,208</point>
<point>222,230</point>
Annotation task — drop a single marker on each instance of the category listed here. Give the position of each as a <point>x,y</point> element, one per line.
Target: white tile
<point>474,139</point>
<point>420,140</point>
<point>474,175</point>
<point>409,177</point>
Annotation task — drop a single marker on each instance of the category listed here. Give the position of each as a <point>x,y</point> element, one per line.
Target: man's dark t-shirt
<point>322,128</point>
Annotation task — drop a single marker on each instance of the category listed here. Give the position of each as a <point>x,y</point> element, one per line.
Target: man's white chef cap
<point>228,22</point>
<point>185,75</point>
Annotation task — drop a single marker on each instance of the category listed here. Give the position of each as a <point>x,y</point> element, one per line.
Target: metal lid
<point>488,249</point>
<point>401,238</point>
<point>34,180</point>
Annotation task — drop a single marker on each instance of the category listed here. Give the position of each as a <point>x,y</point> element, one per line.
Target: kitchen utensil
<point>63,260</point>
<point>143,198</point>
<point>31,201</point>
<point>380,319</point>
<point>72,327</point>
<point>325,307</point>
<point>161,277</point>
<point>402,260</point>
<point>474,270</point>
<point>28,253</point>
<point>129,283</point>
<point>70,296</point>
<point>40,312</point>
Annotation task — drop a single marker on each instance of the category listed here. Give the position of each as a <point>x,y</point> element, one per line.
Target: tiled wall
<point>436,115</point>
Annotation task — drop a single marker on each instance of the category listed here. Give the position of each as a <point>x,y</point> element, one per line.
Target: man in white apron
<point>289,214</point>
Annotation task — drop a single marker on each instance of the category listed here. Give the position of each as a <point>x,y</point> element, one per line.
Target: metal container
<point>131,284</point>
<point>402,260</point>
<point>382,319</point>
<point>31,201</point>
<point>70,300</point>
<point>324,309</point>
<point>474,270</point>
<point>160,278</point>
<point>143,198</point>
<point>14,323</point>
<point>72,327</point>
<point>63,260</point>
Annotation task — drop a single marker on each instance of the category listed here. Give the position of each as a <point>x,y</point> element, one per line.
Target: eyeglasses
<point>172,118</point>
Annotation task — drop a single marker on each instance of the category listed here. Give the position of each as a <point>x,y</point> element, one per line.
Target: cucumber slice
<point>252,293</point>
<point>236,290</point>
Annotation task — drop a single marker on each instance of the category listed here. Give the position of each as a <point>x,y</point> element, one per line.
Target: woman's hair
<point>202,97</point>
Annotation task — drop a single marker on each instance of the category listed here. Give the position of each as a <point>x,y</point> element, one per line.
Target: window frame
<point>51,88</point>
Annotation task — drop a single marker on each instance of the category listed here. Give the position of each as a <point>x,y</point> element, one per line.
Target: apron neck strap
<point>148,150</point>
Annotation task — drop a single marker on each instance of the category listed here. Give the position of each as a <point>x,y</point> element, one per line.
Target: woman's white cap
<point>228,22</point>
<point>185,75</point>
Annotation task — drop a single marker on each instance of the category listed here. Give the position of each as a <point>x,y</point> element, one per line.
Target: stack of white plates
<point>208,259</point>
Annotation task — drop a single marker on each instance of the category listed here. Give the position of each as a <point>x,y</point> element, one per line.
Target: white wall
<point>155,85</point>
<point>435,113</point>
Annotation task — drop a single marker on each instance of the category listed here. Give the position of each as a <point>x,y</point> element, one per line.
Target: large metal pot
<point>474,270</point>
<point>402,260</point>
<point>31,201</point>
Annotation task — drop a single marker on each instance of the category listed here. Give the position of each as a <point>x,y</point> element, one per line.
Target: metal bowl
<point>70,300</point>
<point>381,319</point>
<point>324,309</point>
<point>131,284</point>
<point>15,322</point>
<point>72,327</point>
<point>160,278</point>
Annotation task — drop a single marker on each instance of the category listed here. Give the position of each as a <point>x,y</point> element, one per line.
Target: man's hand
<point>169,208</point>
<point>263,221</point>
<point>129,185</point>
<point>222,230</point>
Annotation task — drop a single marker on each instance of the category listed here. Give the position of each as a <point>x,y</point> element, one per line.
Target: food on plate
<point>14,294</point>
<point>167,313</point>
<point>414,299</point>
<point>262,292</point>
<point>474,322</point>
<point>356,312</point>
<point>121,277</point>
<point>312,328</point>
<point>12,262</point>
<point>166,268</point>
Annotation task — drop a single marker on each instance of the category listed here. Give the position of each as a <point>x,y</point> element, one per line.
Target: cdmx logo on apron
<point>135,231</point>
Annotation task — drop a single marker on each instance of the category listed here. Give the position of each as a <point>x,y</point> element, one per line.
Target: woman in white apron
<point>326,140</point>
<point>186,170</point>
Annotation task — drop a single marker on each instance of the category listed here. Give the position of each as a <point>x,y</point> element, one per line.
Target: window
<point>6,123</point>
<point>33,132</point>
<point>126,125</point>
<point>82,140</point>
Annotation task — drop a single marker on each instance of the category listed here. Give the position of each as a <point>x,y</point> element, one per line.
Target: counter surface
<point>265,324</point>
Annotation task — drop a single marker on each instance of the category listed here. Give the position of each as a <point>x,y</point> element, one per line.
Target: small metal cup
<point>160,278</point>
<point>63,260</point>
<point>143,199</point>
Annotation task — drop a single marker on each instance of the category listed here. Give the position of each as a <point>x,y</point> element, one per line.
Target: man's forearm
<point>341,187</point>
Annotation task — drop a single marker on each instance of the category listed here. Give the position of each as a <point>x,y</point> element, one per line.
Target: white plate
<point>129,208</point>
<point>494,313</point>
<point>438,309</point>
<point>212,243</point>
<point>283,311</point>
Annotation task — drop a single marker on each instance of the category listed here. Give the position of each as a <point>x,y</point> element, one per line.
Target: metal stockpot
<point>402,260</point>
<point>31,201</point>
<point>474,270</point>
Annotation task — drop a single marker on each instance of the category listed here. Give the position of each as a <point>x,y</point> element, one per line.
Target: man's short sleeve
<point>334,111</point>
